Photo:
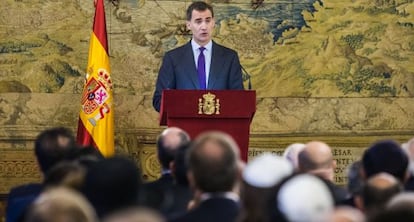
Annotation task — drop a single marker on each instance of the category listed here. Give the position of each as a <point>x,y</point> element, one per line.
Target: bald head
<point>403,200</point>
<point>382,181</point>
<point>409,148</point>
<point>347,214</point>
<point>378,190</point>
<point>168,143</point>
<point>316,158</point>
<point>315,155</point>
<point>213,162</point>
<point>173,137</point>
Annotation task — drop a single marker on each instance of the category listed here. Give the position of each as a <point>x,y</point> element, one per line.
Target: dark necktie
<point>201,69</point>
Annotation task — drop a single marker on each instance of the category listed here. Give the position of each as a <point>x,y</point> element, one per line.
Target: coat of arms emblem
<point>95,96</point>
<point>209,105</point>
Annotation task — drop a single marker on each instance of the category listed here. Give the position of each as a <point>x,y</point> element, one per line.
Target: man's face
<point>201,25</point>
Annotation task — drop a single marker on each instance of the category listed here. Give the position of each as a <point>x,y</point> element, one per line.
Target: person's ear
<point>240,168</point>
<point>188,25</point>
<point>191,180</point>
<point>407,176</point>
<point>362,173</point>
<point>359,202</point>
<point>172,167</point>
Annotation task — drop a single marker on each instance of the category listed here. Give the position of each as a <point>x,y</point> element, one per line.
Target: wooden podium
<point>196,111</point>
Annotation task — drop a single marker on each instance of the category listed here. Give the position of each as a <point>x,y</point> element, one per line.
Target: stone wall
<point>348,125</point>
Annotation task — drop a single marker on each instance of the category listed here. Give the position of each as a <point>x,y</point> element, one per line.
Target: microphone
<point>246,76</point>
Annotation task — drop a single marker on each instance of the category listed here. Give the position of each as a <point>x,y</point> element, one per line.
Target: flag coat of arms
<point>96,118</point>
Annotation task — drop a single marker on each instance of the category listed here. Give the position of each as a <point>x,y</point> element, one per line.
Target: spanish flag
<point>96,118</point>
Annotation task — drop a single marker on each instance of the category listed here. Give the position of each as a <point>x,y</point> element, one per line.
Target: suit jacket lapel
<point>189,62</point>
<point>216,64</point>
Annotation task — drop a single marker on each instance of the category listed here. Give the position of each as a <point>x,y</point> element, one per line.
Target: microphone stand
<point>246,76</point>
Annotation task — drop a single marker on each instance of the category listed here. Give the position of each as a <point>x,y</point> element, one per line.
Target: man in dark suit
<point>376,193</point>
<point>156,194</point>
<point>51,146</point>
<point>180,66</point>
<point>112,185</point>
<point>386,156</point>
<point>214,172</point>
<point>316,158</point>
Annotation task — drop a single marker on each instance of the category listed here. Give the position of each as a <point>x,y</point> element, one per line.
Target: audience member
<point>408,147</point>
<point>214,170</point>
<point>347,214</point>
<point>177,201</point>
<point>355,177</point>
<point>60,205</point>
<point>400,208</point>
<point>135,214</point>
<point>156,194</point>
<point>376,193</point>
<point>202,181</point>
<point>259,180</point>
<point>385,156</point>
<point>402,201</point>
<point>86,156</point>
<point>180,168</point>
<point>316,158</point>
<point>291,153</point>
<point>66,173</point>
<point>303,198</point>
<point>51,146</point>
<point>355,183</point>
<point>112,184</point>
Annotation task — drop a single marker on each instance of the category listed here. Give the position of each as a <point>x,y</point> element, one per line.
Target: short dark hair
<point>53,145</point>
<point>385,156</point>
<point>355,178</point>
<point>198,6</point>
<point>65,173</point>
<point>112,184</point>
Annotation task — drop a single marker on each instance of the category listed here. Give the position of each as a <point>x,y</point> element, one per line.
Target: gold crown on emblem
<point>103,77</point>
<point>209,96</point>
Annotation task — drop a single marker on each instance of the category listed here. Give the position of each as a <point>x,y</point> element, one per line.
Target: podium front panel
<point>197,111</point>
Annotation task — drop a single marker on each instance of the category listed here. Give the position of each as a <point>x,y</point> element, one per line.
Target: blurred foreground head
<point>61,205</point>
<point>303,198</point>
<point>385,156</point>
<point>168,143</point>
<point>112,184</point>
<point>213,161</point>
<point>52,146</point>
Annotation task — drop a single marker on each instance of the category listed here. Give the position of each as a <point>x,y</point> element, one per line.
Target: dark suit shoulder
<point>166,180</point>
<point>26,189</point>
<point>19,199</point>
<point>180,50</point>
<point>154,194</point>
<point>222,48</point>
<point>215,209</point>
